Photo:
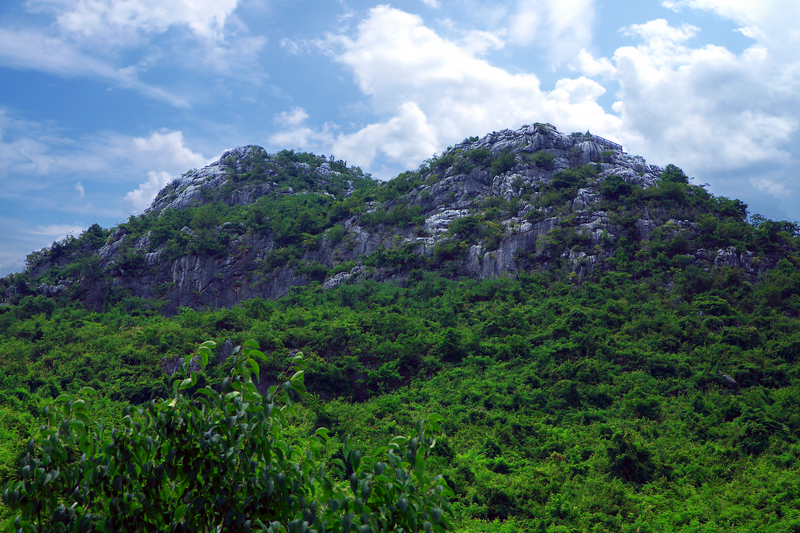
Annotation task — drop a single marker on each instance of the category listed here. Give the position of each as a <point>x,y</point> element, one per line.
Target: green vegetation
<point>602,405</point>
<point>543,160</point>
<point>219,460</point>
<point>655,391</point>
<point>504,162</point>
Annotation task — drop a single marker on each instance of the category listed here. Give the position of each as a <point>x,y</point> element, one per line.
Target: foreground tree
<point>218,460</point>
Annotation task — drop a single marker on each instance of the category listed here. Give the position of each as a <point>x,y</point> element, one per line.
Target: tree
<point>674,174</point>
<point>217,460</point>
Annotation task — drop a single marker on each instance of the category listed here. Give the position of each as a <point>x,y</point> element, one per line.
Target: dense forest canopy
<point>638,374</point>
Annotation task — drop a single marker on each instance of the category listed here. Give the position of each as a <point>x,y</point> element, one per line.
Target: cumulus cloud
<point>164,149</point>
<point>703,106</point>
<point>435,92</point>
<point>295,117</point>
<point>141,197</point>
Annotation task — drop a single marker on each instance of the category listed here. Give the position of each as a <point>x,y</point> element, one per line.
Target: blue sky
<point>102,102</point>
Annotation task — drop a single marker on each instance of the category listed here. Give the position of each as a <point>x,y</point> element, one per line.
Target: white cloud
<point>141,197</point>
<point>590,66</point>
<point>57,230</point>
<point>119,21</point>
<point>481,42</point>
<point>407,138</point>
<point>33,50</point>
<point>35,156</point>
<point>163,149</point>
<point>777,189</point>
<point>705,107</point>
<point>41,168</point>
<point>292,118</point>
<point>435,92</point>
<point>432,3</point>
<point>563,27</point>
<point>90,38</point>
<point>166,151</point>
<point>772,23</point>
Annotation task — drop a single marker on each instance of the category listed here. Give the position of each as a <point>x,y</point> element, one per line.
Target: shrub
<point>615,187</point>
<point>219,460</point>
<point>543,160</point>
<point>504,162</point>
<point>483,156</point>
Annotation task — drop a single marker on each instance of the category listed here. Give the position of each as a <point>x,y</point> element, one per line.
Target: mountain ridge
<point>528,199</point>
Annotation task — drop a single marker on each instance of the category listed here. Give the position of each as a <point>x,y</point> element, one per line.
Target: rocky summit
<point>254,224</point>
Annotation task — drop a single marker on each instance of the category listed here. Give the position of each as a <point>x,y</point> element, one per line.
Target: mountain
<point>254,224</point>
<point>611,347</point>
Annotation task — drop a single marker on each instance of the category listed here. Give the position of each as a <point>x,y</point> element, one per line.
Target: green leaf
<point>208,392</point>
<point>347,522</point>
<point>179,512</point>
<point>256,368</point>
<point>258,354</point>
<point>402,504</point>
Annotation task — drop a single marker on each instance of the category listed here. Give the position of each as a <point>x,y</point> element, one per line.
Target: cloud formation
<point>40,157</point>
<point>166,151</point>
<point>703,106</point>
<point>771,23</point>
<point>436,92</point>
<point>728,117</point>
<point>121,21</point>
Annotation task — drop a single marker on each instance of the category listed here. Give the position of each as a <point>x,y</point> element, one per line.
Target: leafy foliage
<point>614,383</point>
<point>504,162</point>
<point>218,460</point>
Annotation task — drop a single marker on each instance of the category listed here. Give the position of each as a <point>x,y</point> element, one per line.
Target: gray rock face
<point>524,239</point>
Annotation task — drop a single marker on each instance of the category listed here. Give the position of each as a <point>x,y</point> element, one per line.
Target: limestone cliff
<point>530,199</point>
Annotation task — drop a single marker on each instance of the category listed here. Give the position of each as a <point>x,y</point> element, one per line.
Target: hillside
<point>612,348</point>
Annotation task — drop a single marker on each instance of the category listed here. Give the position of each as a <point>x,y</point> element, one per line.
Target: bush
<point>543,160</point>
<point>504,162</point>
<point>615,187</point>
<point>219,460</point>
<point>483,156</point>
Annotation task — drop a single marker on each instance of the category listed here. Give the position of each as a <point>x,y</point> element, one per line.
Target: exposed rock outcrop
<point>453,186</point>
